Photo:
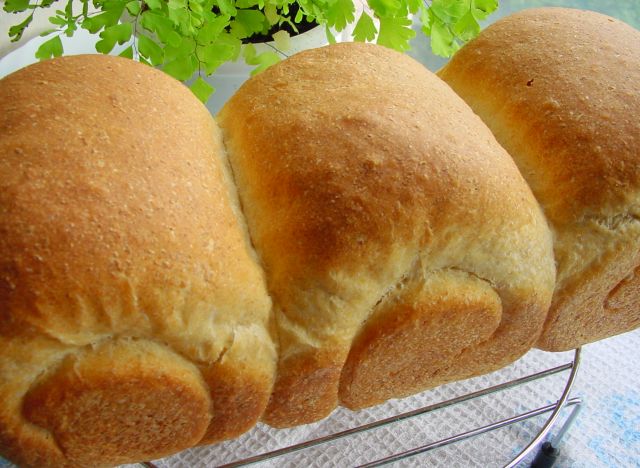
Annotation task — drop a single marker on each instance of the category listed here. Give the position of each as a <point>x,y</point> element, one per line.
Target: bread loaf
<point>560,89</point>
<point>401,246</point>
<point>134,319</point>
<point>359,236</point>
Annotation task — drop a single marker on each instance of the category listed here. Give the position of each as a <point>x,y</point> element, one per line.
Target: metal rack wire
<point>564,401</point>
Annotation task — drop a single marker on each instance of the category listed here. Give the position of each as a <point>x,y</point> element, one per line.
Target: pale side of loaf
<point>134,318</point>
<point>560,89</point>
<point>402,247</point>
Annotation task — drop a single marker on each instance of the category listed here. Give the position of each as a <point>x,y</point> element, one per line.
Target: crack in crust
<point>412,337</point>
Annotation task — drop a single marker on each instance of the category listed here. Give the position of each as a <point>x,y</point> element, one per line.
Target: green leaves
<point>262,61</point>
<point>194,37</point>
<point>133,8</point>
<point>271,13</point>
<point>154,4</point>
<point>150,50</point>
<point>162,26</point>
<point>186,47</point>
<point>247,23</point>
<point>365,29</point>
<point>15,6</point>
<point>467,27</point>
<point>396,33</point>
<point>226,7</point>
<point>112,35</point>
<point>50,48</point>
<point>214,55</point>
<point>180,17</point>
<point>386,8</point>
<point>443,41</point>
<point>448,11</point>
<point>414,6</point>
<point>282,40</point>
<point>16,31</point>
<point>201,89</point>
<point>186,37</point>
<point>212,29</point>
<point>483,8</point>
<point>127,53</point>
<point>450,23</point>
<point>182,68</point>
<point>103,20</point>
<point>340,13</point>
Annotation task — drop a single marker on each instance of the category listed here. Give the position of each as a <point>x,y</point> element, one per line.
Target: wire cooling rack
<point>546,451</point>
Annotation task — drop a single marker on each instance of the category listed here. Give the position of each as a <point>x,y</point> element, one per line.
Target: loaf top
<point>361,175</point>
<point>565,83</point>
<point>355,156</point>
<point>103,193</point>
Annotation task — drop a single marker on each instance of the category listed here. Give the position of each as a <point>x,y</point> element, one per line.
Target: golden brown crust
<point>354,164</point>
<point>305,388</point>
<point>374,206</point>
<point>117,219</point>
<point>239,398</point>
<point>141,399</point>
<point>408,339</point>
<point>599,301</point>
<point>21,441</point>
<point>560,90</point>
<point>240,382</point>
<point>559,87</point>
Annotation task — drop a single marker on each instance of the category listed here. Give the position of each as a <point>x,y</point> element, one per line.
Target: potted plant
<point>193,38</point>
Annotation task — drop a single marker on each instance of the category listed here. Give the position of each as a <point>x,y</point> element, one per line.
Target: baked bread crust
<point>397,247</point>
<point>560,89</point>
<point>377,200</point>
<point>128,284</point>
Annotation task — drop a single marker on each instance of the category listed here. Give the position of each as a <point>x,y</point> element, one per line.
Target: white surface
<point>39,24</point>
